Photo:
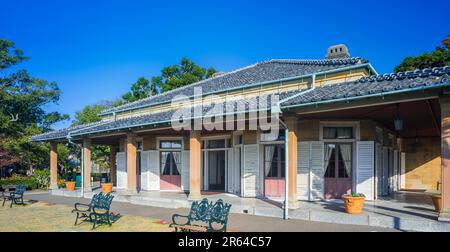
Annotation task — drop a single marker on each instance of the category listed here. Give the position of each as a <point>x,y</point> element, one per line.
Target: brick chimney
<point>337,52</point>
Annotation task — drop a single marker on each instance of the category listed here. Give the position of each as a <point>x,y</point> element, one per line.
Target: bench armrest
<point>81,207</point>
<point>175,217</point>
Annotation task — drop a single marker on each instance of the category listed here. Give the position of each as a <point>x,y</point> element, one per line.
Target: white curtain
<point>269,151</point>
<point>328,151</point>
<point>177,159</point>
<point>346,152</point>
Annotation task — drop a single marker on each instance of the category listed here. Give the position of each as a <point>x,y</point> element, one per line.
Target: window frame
<point>280,162</point>
<point>170,150</point>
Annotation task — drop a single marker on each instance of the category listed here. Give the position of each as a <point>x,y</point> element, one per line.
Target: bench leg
<point>4,200</point>
<point>12,201</point>
<point>109,222</point>
<point>94,221</point>
<point>76,219</point>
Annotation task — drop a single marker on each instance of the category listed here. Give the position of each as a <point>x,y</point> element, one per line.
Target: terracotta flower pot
<point>353,205</point>
<point>437,201</point>
<point>70,185</point>
<point>107,187</point>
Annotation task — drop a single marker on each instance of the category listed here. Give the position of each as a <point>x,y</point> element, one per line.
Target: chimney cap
<point>337,52</point>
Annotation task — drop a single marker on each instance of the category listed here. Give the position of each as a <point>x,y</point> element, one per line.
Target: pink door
<point>338,161</point>
<point>274,187</point>
<point>274,169</point>
<point>170,182</point>
<point>170,178</point>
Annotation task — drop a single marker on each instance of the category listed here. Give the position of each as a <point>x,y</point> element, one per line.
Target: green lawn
<point>43,217</point>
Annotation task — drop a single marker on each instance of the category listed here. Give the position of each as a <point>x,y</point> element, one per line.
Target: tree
<point>185,73</point>
<point>89,114</point>
<point>139,90</point>
<point>22,98</point>
<point>438,58</point>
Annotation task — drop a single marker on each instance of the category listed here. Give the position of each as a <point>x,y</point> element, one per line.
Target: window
<point>338,160</point>
<point>238,140</point>
<point>274,161</point>
<point>140,146</point>
<point>216,144</point>
<point>170,157</point>
<point>337,132</point>
<point>170,144</point>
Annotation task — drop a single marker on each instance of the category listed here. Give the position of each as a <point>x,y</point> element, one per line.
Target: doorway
<point>274,170</point>
<point>216,170</point>
<point>338,174</point>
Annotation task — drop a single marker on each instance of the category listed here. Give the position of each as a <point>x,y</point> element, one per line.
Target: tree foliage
<point>140,89</point>
<point>438,58</point>
<point>175,76</point>
<point>22,114</point>
<point>182,74</point>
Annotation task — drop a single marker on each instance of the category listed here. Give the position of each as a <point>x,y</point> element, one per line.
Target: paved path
<point>238,222</point>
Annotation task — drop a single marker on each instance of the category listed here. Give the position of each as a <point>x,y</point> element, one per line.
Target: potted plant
<point>437,201</point>
<point>107,186</point>
<point>354,202</point>
<point>70,184</point>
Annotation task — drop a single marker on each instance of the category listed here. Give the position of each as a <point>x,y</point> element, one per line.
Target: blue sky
<point>95,50</point>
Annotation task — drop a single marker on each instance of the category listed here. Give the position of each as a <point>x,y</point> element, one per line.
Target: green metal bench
<point>97,211</point>
<point>203,216</point>
<point>16,196</point>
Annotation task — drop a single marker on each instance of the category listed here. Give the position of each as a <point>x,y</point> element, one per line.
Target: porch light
<point>398,122</point>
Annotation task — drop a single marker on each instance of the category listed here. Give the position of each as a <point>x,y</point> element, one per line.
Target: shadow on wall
<point>423,163</point>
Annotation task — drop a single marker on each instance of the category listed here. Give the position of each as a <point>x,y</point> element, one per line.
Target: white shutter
<point>251,170</point>
<point>384,172</point>
<point>153,170</point>
<point>402,170</point>
<point>395,176</point>
<point>185,171</point>
<point>230,171</point>
<point>303,155</point>
<point>317,182</point>
<point>121,165</point>
<point>237,170</point>
<point>379,169</point>
<point>145,158</point>
<point>365,168</point>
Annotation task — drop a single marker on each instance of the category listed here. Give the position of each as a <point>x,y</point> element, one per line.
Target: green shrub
<point>29,182</point>
<point>42,178</point>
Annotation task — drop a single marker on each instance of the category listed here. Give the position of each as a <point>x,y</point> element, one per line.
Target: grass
<point>44,217</point>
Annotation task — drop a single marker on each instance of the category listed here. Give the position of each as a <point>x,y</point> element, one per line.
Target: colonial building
<point>343,128</point>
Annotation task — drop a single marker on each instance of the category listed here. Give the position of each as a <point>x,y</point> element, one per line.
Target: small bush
<point>42,178</point>
<point>29,182</point>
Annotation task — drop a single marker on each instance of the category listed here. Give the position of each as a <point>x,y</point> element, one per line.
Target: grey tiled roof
<point>266,71</point>
<point>154,119</point>
<point>239,106</point>
<point>374,85</point>
<point>62,133</point>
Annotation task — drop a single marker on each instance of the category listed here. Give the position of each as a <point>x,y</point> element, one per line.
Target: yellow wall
<point>423,163</point>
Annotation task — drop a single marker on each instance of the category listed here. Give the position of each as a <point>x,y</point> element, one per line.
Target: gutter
<point>347,99</point>
<point>69,139</point>
<point>254,85</point>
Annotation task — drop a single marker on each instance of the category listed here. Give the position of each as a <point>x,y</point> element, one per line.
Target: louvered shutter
<point>230,171</point>
<point>185,171</point>
<point>303,154</point>
<point>379,169</point>
<point>121,170</point>
<point>402,170</point>
<point>251,170</point>
<point>395,175</point>
<point>317,182</point>
<point>153,170</point>
<point>145,158</point>
<point>365,168</point>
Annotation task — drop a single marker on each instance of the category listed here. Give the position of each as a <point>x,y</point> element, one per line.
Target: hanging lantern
<point>398,122</point>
